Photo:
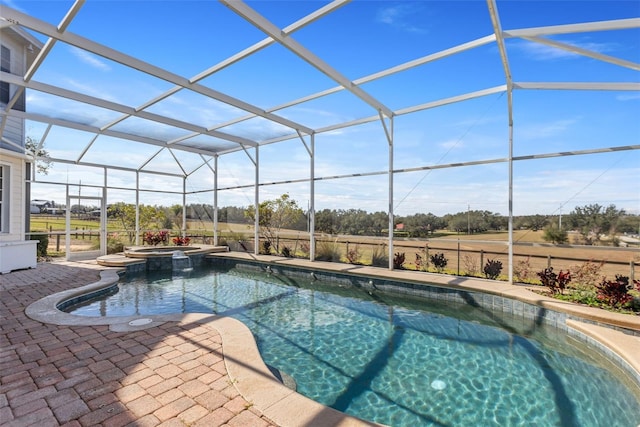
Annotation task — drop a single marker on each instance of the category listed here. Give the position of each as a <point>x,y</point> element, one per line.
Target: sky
<point>356,40</point>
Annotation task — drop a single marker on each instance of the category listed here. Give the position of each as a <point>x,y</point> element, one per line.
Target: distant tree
<point>151,217</point>
<point>42,160</point>
<point>459,222</point>
<point>629,224</point>
<point>475,221</point>
<point>174,216</point>
<point>230,214</point>
<point>326,221</point>
<point>275,215</point>
<point>591,221</point>
<point>421,225</point>
<point>554,235</point>
<point>355,222</point>
<point>530,222</point>
<point>379,224</point>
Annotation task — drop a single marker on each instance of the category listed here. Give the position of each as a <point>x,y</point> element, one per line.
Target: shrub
<point>286,252</point>
<point>114,245</point>
<point>328,251</point>
<point>379,257</point>
<point>155,238</point>
<point>181,241</point>
<point>421,265</point>
<point>555,282</point>
<point>439,261</point>
<point>304,249</point>
<point>353,255</point>
<point>615,293</point>
<point>492,269</point>
<point>398,260</point>
<point>522,269</point>
<point>43,243</point>
<point>265,247</point>
<point>588,273</point>
<point>554,235</point>
<point>470,265</point>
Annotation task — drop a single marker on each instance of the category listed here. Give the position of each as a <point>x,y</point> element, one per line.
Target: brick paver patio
<point>170,375</point>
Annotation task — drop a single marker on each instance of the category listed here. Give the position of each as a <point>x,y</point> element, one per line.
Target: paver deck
<point>169,375</point>
<point>183,369</point>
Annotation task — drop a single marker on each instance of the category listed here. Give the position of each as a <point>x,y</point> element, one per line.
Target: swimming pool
<point>399,361</point>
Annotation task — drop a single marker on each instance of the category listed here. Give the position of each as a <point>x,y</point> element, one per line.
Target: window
<point>4,198</point>
<point>5,65</point>
<point>5,88</point>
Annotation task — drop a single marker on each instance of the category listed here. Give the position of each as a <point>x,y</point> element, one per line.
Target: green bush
<point>379,257</point>
<point>328,251</point>
<point>43,243</point>
<point>265,248</point>
<point>114,246</point>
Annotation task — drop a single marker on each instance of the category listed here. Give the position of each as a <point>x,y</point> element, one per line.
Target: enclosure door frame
<point>102,231</point>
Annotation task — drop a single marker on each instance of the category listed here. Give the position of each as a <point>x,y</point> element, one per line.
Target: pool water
<point>398,361</point>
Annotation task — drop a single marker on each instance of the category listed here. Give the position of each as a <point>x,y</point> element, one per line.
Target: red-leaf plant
<point>615,292</point>
<point>555,282</point>
<point>181,241</point>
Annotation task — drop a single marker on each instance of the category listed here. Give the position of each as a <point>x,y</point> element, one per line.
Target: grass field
<point>466,254</point>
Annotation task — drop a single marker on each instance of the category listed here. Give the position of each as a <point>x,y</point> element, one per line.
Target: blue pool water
<point>398,361</point>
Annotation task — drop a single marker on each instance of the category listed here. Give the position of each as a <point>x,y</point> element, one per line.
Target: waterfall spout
<point>181,262</point>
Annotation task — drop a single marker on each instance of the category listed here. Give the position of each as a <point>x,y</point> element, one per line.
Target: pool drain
<point>438,385</point>
<point>140,322</point>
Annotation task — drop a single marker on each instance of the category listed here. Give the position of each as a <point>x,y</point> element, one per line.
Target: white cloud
<point>628,97</point>
<point>545,130</point>
<point>91,90</point>
<point>543,52</point>
<point>90,59</point>
<point>398,16</point>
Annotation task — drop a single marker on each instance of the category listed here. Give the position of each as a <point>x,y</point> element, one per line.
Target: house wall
<point>16,195</point>
<point>14,128</point>
<point>15,251</point>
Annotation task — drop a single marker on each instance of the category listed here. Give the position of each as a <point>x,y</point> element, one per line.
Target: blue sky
<point>359,39</point>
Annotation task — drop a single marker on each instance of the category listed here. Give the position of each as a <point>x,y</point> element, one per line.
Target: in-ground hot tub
<point>141,258</point>
<point>167,251</point>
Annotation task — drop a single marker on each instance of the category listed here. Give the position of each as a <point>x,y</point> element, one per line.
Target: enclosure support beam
<point>256,225</point>
<point>215,200</point>
<point>137,228</point>
<point>103,214</point>
<point>312,203</point>
<point>184,206</point>
<point>497,29</point>
<point>388,131</point>
<point>67,234</point>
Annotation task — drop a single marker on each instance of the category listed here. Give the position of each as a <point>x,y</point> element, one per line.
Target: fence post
<point>426,255</point>
<point>548,261</point>
<point>57,243</point>
<point>481,258</point>
<point>631,272</point>
<point>458,257</point>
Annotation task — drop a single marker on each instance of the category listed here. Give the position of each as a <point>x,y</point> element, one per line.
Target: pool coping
<point>255,382</point>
